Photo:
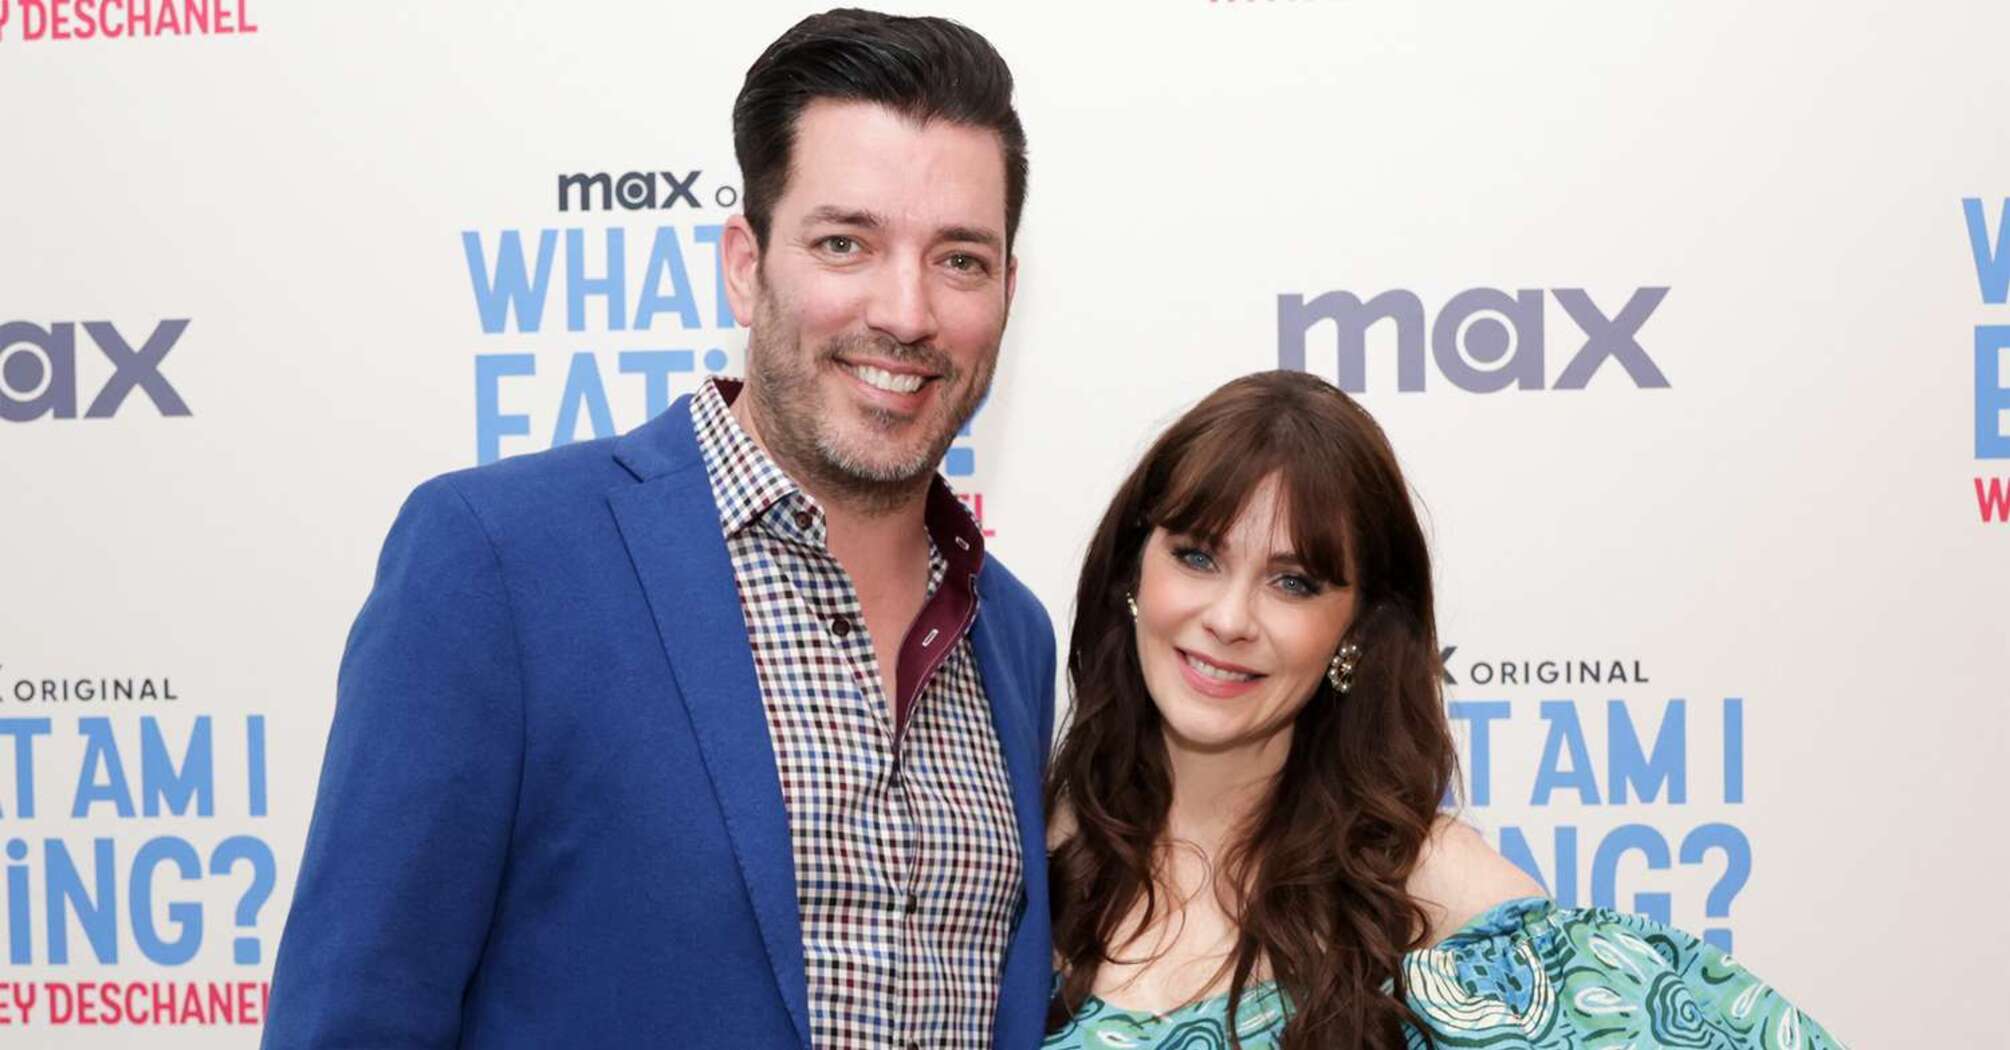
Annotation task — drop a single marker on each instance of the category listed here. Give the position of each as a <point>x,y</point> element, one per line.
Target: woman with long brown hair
<point>1245,844</point>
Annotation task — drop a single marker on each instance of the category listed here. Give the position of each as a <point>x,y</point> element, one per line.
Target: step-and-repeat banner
<point>1689,323</point>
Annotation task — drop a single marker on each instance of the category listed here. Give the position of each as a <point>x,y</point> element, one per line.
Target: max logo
<point>38,370</point>
<point>634,190</point>
<point>1483,340</point>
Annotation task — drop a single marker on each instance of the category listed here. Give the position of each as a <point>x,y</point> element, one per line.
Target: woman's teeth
<point>1214,672</point>
<point>881,379</point>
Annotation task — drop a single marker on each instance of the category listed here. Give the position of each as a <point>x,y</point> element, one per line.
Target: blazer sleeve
<point>1044,635</point>
<point>418,793</point>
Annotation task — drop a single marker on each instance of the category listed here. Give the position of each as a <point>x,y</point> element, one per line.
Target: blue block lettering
<point>1667,766</point>
<point>582,390</point>
<point>164,785</point>
<point>1992,397</point>
<point>511,286</point>
<point>1630,838</point>
<point>1565,735</point>
<point>491,425</point>
<point>96,910</point>
<point>1480,715</point>
<point>184,916</point>
<point>102,778</point>
<point>611,285</point>
<point>24,731</point>
<point>1992,266</point>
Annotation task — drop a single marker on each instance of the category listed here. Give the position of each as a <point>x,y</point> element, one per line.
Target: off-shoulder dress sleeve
<point>1531,974</point>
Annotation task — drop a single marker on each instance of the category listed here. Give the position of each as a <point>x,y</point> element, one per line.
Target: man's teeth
<point>1214,672</point>
<point>885,380</point>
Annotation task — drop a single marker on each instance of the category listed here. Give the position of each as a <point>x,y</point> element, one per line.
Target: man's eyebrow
<point>861,218</point>
<point>971,235</point>
<point>833,215</point>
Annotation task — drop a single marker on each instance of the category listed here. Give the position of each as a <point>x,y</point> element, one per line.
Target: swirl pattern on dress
<point>1525,974</point>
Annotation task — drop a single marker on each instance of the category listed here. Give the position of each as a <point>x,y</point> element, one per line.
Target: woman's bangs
<point>1213,480</point>
<point>1318,509</point>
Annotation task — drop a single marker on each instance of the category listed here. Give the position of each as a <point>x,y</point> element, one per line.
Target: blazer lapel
<point>671,528</point>
<point>1008,691</point>
<point>1003,657</point>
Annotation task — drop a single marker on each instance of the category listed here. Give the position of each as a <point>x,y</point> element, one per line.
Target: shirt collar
<point>745,482</point>
<point>748,486</point>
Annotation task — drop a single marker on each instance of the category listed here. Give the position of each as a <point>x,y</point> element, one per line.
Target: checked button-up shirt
<point>906,846</point>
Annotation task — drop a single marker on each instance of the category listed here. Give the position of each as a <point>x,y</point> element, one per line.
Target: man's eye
<point>964,262</point>
<point>839,244</point>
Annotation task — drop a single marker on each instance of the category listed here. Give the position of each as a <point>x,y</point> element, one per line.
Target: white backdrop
<point>1791,537</point>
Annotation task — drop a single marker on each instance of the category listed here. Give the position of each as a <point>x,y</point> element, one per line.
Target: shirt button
<point>913,904</point>
<point>803,519</point>
<point>840,626</point>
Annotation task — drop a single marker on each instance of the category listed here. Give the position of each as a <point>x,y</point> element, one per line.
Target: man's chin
<point>868,433</point>
<point>864,455</point>
<point>880,471</point>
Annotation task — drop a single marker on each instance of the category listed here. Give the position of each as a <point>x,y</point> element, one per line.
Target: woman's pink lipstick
<point>1214,687</point>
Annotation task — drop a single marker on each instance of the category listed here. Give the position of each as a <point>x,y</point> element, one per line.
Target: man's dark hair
<point>924,68</point>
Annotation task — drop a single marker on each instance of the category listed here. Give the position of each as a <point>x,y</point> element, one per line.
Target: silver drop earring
<point>1132,601</point>
<point>1340,672</point>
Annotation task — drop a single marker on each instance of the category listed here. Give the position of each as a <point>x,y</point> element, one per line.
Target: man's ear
<point>740,255</point>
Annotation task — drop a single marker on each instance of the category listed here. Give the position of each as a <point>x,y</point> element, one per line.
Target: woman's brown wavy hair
<point>1318,877</point>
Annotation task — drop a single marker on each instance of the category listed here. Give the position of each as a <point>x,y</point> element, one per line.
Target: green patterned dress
<point>1526,974</point>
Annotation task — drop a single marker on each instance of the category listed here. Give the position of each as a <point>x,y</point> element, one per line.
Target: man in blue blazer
<point>725,732</point>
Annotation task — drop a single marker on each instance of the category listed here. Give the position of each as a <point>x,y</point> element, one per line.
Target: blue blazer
<point>549,814</point>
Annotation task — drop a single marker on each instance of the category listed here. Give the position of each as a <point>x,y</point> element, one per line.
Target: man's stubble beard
<point>791,420</point>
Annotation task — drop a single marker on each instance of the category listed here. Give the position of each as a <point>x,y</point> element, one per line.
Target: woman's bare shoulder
<point>1060,824</point>
<point>1459,877</point>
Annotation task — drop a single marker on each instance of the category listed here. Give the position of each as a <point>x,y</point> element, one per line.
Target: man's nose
<point>901,304</point>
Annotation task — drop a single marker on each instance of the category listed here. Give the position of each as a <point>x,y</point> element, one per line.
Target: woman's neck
<point>1216,792</point>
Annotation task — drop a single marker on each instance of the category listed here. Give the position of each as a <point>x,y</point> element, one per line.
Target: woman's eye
<point>1298,586</point>
<point>1193,558</point>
